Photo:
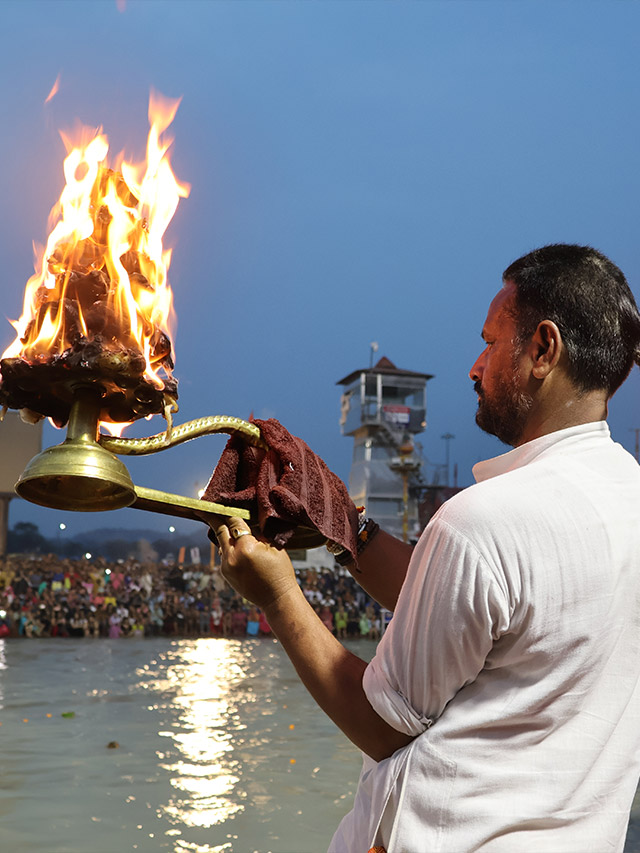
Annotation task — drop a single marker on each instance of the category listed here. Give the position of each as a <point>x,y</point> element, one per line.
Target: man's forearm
<point>331,674</point>
<point>382,568</point>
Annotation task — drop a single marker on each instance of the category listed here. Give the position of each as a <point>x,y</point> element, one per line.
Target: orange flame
<point>104,268</point>
<point>54,90</point>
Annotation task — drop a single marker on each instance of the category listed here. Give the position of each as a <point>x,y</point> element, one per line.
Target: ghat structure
<point>383,408</point>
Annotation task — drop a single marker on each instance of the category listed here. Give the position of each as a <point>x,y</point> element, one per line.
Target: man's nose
<point>475,374</point>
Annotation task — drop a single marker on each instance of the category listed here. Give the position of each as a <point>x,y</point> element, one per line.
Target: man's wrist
<point>367,530</point>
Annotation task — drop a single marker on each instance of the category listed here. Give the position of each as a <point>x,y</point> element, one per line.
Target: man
<point>502,709</point>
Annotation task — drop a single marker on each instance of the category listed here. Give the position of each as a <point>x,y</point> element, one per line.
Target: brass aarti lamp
<point>92,344</point>
<point>84,474</point>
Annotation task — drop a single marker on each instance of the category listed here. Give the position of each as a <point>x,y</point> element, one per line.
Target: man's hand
<point>264,575</point>
<point>259,571</point>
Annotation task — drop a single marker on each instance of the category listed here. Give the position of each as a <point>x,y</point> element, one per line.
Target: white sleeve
<point>451,609</point>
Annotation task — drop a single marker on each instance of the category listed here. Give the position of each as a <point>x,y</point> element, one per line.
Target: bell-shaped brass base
<point>78,476</point>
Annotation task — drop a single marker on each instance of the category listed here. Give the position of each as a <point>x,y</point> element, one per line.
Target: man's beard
<point>505,413</point>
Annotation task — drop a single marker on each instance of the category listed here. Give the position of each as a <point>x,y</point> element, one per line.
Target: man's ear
<point>546,348</point>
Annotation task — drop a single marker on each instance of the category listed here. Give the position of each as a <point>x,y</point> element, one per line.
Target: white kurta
<point>514,657</point>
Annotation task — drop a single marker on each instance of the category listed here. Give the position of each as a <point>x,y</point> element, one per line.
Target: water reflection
<point>221,750</point>
<point>198,679</point>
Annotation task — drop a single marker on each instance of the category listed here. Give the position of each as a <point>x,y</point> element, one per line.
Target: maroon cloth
<point>284,487</point>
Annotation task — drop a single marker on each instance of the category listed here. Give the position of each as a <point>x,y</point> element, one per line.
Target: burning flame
<point>104,270</point>
<point>54,90</point>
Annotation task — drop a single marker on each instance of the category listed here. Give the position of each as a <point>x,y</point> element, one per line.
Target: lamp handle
<point>173,436</point>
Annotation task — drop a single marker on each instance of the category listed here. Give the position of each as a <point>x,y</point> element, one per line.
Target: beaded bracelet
<point>367,529</point>
<point>367,533</point>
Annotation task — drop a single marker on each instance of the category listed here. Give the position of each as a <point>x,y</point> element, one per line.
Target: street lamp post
<point>448,437</point>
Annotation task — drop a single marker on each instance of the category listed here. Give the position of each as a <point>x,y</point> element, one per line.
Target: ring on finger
<point>236,533</point>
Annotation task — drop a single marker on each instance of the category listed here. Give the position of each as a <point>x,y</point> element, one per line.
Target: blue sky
<point>360,171</point>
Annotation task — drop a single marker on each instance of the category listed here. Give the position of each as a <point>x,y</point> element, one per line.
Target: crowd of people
<point>47,596</point>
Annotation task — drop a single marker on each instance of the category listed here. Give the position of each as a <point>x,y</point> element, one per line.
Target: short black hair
<point>589,299</point>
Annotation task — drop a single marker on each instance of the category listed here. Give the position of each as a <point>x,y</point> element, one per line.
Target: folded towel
<point>285,486</point>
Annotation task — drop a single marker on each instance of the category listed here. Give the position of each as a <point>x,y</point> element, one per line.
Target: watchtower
<point>383,408</point>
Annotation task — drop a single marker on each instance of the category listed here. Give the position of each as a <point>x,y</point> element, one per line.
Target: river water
<point>193,746</point>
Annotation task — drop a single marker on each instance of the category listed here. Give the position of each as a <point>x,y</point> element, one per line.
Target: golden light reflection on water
<point>201,848</point>
<point>198,680</point>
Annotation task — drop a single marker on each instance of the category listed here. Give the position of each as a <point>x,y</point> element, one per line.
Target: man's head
<point>589,300</point>
<point>565,310</point>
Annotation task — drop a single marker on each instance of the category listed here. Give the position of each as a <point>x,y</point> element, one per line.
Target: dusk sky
<point>360,171</point>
